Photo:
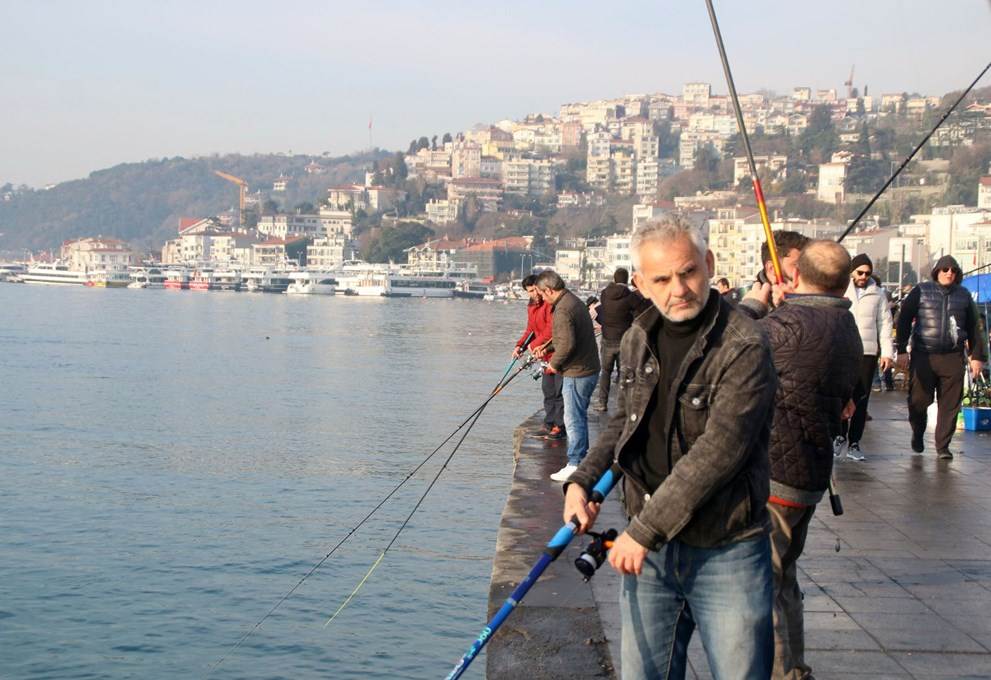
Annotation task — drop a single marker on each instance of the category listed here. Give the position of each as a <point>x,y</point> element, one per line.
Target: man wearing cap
<point>940,318</point>
<point>870,309</point>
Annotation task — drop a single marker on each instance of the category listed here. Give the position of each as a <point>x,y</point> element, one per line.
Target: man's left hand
<point>627,556</point>
<point>885,364</point>
<point>976,367</point>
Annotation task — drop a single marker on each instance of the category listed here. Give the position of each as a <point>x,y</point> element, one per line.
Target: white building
<point>984,193</point>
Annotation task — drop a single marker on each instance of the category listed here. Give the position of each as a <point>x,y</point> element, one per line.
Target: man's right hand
<point>518,352</point>
<point>576,505</point>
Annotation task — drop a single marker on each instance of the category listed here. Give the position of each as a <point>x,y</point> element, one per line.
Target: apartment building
<point>488,192</point>
<point>96,253</point>
<point>330,251</point>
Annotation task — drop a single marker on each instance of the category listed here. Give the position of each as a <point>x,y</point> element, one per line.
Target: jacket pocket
<point>693,412</point>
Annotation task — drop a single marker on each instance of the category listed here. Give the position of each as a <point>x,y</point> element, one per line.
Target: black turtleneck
<point>671,342</point>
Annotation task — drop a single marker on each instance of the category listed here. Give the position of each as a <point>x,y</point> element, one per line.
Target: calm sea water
<point>175,462</point>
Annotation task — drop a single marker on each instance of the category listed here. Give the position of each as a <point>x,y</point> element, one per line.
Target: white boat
<point>473,290</point>
<point>55,273</point>
<point>306,282</point>
<point>413,282</point>
<point>228,278</point>
<point>146,277</point>
<point>267,279</point>
<point>11,272</point>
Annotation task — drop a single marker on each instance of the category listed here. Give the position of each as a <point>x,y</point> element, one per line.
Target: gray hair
<point>550,279</point>
<point>669,228</point>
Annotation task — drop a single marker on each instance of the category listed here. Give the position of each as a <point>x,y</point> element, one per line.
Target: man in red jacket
<point>538,315</point>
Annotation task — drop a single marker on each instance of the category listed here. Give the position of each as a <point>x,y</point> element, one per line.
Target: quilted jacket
<point>817,352</point>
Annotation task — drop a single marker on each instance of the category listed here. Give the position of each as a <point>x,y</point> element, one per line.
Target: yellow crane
<point>244,192</point>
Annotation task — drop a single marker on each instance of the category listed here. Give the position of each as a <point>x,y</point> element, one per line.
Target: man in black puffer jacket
<point>817,352</point>
<point>940,318</point>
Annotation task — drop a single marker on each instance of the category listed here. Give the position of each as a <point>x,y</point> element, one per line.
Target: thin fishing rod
<point>901,167</point>
<point>478,414</point>
<point>522,347</point>
<point>554,549</point>
<point>758,192</point>
<point>473,417</point>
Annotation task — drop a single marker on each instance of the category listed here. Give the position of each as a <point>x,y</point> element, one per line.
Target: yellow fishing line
<point>354,592</point>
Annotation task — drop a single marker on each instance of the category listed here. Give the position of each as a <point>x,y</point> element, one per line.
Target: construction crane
<point>244,192</point>
<point>849,84</point>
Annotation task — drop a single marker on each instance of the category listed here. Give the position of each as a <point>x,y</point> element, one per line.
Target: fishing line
<point>415,508</point>
<point>473,418</point>
<point>901,167</point>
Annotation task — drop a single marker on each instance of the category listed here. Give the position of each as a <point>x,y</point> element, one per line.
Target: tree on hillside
<point>967,166</point>
<point>818,139</point>
<point>391,243</point>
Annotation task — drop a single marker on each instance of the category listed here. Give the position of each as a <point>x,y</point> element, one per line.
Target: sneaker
<point>541,432</point>
<point>564,473</point>
<point>876,388</point>
<point>599,406</point>
<point>555,434</point>
<point>853,451</point>
<point>917,444</point>
<point>838,443</point>
<point>944,454</point>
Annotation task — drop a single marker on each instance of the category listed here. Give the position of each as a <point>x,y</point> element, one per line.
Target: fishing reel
<point>535,367</point>
<point>594,553</point>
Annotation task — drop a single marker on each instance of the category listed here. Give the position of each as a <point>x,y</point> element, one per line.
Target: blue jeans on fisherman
<point>577,393</point>
<point>727,592</point>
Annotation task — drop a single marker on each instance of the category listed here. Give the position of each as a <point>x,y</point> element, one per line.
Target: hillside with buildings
<point>565,190</point>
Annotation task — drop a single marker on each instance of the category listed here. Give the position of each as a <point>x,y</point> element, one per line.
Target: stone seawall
<point>564,628</point>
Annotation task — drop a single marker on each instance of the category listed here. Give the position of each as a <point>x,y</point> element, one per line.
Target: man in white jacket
<point>869,306</point>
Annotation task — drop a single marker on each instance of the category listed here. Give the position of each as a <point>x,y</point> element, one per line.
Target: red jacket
<point>538,320</point>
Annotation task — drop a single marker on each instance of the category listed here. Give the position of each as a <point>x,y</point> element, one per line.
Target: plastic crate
<point>976,419</point>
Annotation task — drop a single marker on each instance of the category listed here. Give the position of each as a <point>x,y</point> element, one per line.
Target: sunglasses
<point>948,269</point>
<point>862,272</point>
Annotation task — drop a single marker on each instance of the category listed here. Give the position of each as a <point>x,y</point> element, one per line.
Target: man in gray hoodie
<point>940,318</point>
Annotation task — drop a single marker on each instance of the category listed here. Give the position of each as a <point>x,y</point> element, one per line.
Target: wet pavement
<point>899,586</point>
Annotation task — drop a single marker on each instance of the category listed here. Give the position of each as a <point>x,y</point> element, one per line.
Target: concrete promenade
<point>899,586</point>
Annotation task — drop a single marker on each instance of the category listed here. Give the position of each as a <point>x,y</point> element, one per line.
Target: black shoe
<point>917,445</point>
<point>555,434</point>
<point>944,454</point>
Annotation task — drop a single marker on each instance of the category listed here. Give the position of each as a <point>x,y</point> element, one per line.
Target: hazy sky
<point>88,84</point>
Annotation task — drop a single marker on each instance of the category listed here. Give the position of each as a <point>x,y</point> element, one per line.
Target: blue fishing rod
<point>554,549</point>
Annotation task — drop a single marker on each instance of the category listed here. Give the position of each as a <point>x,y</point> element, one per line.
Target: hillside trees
<point>392,242</point>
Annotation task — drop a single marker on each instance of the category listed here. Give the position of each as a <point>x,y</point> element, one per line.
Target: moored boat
<point>312,283</point>
<point>176,278</point>
<point>55,274</point>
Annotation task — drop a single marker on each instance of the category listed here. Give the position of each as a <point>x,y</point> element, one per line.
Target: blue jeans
<point>577,393</point>
<point>728,592</point>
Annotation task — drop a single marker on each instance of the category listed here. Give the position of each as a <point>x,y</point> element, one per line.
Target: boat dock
<point>906,596</point>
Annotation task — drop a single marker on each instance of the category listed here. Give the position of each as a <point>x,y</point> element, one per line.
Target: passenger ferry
<point>177,278</point>
<point>414,282</point>
<point>55,273</point>
<point>202,279</point>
